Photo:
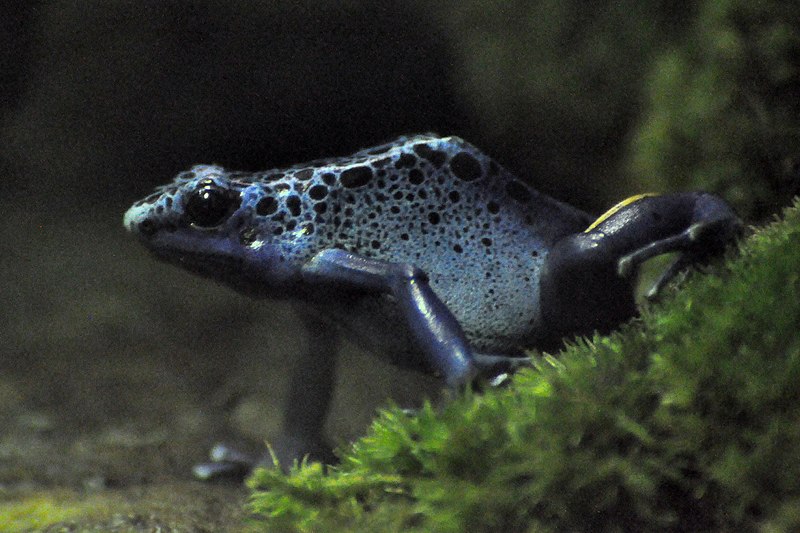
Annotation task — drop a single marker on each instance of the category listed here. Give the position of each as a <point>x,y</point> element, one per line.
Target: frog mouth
<point>216,265</point>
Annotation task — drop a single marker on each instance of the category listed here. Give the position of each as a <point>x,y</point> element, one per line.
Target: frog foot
<point>496,370</point>
<point>495,365</point>
<point>229,463</point>
<point>226,463</point>
<point>697,244</point>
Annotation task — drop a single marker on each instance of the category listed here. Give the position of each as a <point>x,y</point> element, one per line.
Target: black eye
<point>209,205</point>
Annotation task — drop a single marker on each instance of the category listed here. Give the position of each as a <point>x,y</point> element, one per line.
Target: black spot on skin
<point>493,207</point>
<point>465,167</point>
<point>159,209</point>
<point>356,177</point>
<point>321,207</point>
<point>486,241</point>
<point>436,157</point>
<point>291,225</point>
<point>147,227</point>
<point>329,178</point>
<point>272,177</point>
<point>375,245</point>
<point>277,231</point>
<point>293,204</point>
<point>534,253</point>
<point>454,196</point>
<point>239,175</point>
<point>168,202</point>
<point>422,194</point>
<point>266,206</point>
<point>404,236</point>
<point>380,163</point>
<point>433,217</point>
<point>415,177</point>
<point>457,248</point>
<point>248,236</point>
<point>280,187</point>
<point>518,191</point>
<point>406,161</point>
<point>305,174</point>
<point>318,192</point>
<point>398,195</point>
<point>152,198</point>
<point>394,209</point>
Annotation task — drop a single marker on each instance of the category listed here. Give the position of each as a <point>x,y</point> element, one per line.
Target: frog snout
<point>138,220</point>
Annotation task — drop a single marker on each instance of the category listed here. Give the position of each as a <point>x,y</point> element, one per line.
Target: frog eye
<point>209,204</point>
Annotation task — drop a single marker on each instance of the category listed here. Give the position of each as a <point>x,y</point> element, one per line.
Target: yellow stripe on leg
<point>627,201</point>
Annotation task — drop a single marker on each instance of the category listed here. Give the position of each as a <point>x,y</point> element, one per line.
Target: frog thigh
<point>587,278</point>
<point>431,323</point>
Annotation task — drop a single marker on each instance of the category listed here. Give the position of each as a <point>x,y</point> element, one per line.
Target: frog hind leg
<point>436,331</point>
<point>587,280</point>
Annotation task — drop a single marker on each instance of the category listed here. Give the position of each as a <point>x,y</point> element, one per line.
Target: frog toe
<point>226,463</point>
<point>492,366</point>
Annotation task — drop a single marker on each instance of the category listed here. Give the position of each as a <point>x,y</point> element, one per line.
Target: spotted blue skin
<point>439,204</point>
<point>423,250</point>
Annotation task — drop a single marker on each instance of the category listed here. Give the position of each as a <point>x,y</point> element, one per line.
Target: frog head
<point>206,221</point>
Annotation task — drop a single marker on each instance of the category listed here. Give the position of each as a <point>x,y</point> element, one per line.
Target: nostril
<point>147,227</point>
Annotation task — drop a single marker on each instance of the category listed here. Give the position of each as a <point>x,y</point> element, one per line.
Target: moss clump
<point>723,113</point>
<point>687,418</point>
<point>41,509</point>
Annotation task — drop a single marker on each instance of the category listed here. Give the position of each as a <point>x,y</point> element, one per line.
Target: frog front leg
<point>587,280</point>
<point>310,392</point>
<point>434,328</point>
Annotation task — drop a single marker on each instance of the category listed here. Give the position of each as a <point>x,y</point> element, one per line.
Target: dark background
<point>116,370</point>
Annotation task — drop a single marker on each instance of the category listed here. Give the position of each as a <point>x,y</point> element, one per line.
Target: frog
<point>423,250</point>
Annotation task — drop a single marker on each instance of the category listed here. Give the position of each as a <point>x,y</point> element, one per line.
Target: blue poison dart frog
<point>423,250</point>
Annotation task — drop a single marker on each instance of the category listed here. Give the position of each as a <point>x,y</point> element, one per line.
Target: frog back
<point>439,204</point>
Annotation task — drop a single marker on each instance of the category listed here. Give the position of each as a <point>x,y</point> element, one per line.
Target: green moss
<point>687,418</point>
<point>723,113</point>
<point>45,508</point>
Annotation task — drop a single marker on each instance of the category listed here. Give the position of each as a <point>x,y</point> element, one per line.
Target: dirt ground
<point>118,373</point>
